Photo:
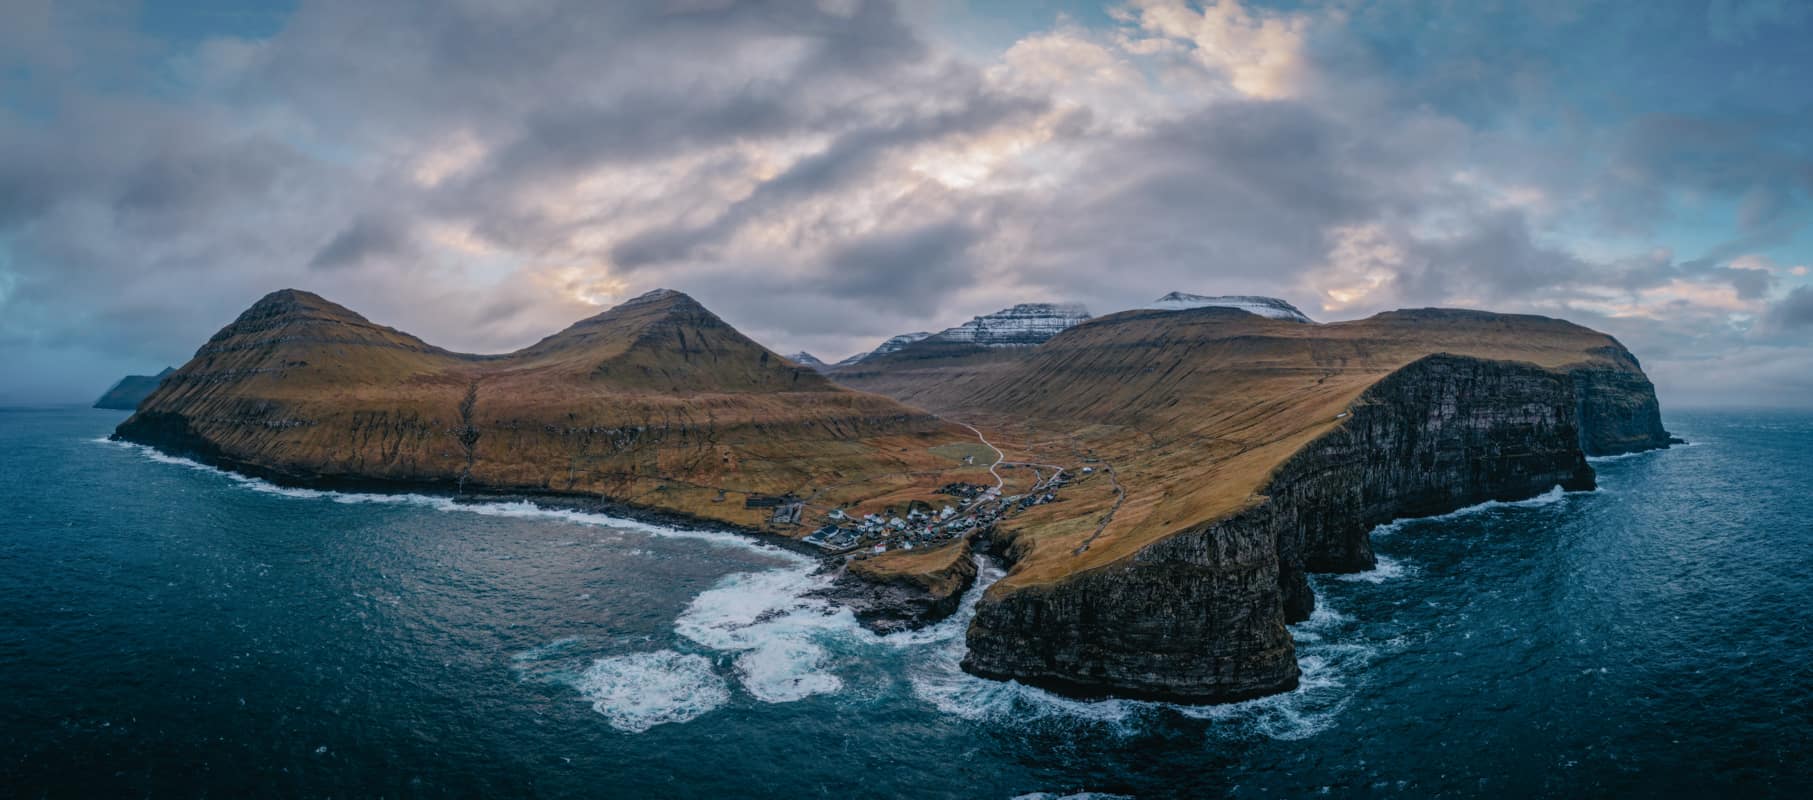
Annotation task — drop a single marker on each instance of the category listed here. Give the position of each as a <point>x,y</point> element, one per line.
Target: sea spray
<point>638,691</point>
<point>1550,497</point>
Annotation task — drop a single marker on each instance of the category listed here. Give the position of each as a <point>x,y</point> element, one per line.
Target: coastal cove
<point>1638,638</point>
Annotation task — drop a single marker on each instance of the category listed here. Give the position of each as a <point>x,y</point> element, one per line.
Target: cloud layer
<point>827,173</point>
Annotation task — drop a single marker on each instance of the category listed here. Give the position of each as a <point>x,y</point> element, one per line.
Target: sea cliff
<point>1200,616</point>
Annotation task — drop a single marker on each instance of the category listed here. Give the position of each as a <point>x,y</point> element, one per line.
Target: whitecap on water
<point>641,690</point>
<point>1386,568</point>
<point>768,619</point>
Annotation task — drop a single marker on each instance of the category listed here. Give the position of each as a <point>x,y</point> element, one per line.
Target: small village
<point>971,508</point>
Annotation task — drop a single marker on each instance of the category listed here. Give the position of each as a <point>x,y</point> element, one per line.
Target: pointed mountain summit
<point>656,402</point>
<point>668,341</point>
<point>806,359</point>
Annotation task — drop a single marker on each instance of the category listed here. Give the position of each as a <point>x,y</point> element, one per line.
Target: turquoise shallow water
<point>169,630</point>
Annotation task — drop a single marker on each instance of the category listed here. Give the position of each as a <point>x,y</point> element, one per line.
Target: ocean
<point>169,630</point>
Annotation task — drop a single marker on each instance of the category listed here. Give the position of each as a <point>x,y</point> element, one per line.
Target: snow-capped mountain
<point>892,345</point>
<point>806,359</point>
<point>1263,306</point>
<point>1022,325</point>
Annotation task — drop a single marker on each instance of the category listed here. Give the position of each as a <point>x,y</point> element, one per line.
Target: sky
<point>827,173</point>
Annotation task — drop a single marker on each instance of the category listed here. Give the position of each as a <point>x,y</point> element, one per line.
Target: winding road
<point>993,469</point>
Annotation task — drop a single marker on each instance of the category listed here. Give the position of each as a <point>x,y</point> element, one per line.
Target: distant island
<point>1159,482</point>
<point>132,390</point>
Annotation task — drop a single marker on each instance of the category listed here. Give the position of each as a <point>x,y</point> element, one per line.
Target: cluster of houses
<point>977,507</point>
<point>881,533</point>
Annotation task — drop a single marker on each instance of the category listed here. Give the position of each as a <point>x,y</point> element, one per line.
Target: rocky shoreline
<point>891,601</point>
<point>157,436</point>
<point>883,603</point>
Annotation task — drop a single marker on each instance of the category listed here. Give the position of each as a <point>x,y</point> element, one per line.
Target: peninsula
<point>1160,481</point>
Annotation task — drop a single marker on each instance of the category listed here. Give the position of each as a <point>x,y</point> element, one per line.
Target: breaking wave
<point>774,627</point>
<point>1624,456</point>
<point>1550,497</point>
<point>1386,568</point>
<point>638,691</point>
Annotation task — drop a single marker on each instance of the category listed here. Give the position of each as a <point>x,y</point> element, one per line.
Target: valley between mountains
<point>1159,482</point>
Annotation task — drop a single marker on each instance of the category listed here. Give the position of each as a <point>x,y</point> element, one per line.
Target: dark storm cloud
<point>908,270</point>
<point>851,157</point>
<point>1496,256</point>
<point>368,240</point>
<point>1242,195</point>
<point>1794,312</point>
<point>821,173</point>
<point>1761,162</point>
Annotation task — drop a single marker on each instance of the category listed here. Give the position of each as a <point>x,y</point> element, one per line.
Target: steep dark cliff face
<point>1618,409</point>
<point>1200,616</point>
<point>1442,433</point>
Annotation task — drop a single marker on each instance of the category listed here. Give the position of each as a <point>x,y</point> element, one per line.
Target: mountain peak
<point>1271,307</point>
<point>1024,324</point>
<point>657,296</point>
<point>289,301</point>
<point>806,359</point>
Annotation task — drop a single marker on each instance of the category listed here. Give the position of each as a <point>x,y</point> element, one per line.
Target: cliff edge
<point>1230,455</point>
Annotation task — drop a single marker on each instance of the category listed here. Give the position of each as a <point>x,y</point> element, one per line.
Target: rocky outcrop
<point>132,390</point>
<point>1200,616</point>
<point>906,590</point>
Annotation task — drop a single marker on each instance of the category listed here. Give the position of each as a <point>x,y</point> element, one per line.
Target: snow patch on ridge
<point>1263,306</point>
<point>1022,325</point>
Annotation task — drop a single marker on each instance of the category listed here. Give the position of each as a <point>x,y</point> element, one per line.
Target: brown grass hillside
<point>656,402</point>
<point>1190,412</point>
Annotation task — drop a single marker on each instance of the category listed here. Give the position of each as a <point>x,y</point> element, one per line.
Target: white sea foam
<point>1550,497</point>
<point>774,627</point>
<point>1387,568</point>
<point>1640,453</point>
<point>641,690</point>
<point>514,509</point>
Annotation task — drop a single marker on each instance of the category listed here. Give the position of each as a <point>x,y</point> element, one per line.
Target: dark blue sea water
<point>168,630</point>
